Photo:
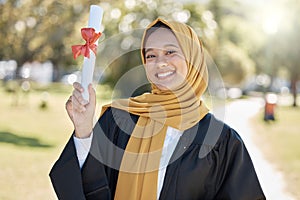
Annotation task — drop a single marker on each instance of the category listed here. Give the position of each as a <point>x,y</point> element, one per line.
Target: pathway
<point>237,115</point>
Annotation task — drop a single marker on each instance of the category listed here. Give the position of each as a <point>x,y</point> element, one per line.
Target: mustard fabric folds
<point>181,108</point>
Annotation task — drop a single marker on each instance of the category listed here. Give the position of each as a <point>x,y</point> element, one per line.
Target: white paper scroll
<point>95,20</point>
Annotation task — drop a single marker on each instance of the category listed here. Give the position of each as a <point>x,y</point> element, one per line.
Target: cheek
<point>185,70</point>
<point>182,68</point>
<point>149,72</point>
<point>180,63</point>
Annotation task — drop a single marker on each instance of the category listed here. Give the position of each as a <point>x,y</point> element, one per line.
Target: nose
<point>161,61</point>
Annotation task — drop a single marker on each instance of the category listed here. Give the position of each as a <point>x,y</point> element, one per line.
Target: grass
<point>280,142</point>
<point>31,139</point>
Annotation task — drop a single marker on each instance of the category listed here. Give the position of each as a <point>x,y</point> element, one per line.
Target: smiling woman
<point>159,145</point>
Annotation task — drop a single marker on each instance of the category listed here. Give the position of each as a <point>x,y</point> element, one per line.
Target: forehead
<point>160,38</point>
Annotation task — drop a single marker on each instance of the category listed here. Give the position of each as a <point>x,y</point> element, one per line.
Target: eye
<point>169,52</point>
<point>150,56</point>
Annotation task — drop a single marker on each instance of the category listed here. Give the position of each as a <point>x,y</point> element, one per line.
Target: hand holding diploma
<point>81,104</point>
<point>80,111</point>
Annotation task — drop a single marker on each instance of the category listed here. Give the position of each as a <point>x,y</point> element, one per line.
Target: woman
<point>160,145</point>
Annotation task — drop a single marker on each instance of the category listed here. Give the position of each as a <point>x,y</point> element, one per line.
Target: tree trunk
<point>294,90</point>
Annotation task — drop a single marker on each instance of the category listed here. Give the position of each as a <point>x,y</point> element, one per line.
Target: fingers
<point>77,93</point>
<point>77,105</point>
<point>73,104</point>
<point>69,103</point>
<point>78,102</point>
<point>78,86</point>
<point>78,97</point>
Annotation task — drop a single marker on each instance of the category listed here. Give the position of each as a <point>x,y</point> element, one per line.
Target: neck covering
<point>181,108</point>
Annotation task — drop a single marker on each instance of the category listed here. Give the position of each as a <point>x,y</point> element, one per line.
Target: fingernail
<point>84,102</point>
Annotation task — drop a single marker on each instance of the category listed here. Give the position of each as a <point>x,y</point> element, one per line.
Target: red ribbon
<point>90,36</point>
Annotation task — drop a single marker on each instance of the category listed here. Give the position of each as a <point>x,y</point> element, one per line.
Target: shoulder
<point>115,124</point>
<point>213,132</point>
<point>213,137</point>
<point>115,115</point>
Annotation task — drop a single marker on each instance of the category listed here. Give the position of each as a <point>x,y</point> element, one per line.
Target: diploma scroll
<point>95,19</point>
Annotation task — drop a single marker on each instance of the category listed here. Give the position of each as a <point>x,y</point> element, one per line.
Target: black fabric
<point>66,176</point>
<point>210,162</point>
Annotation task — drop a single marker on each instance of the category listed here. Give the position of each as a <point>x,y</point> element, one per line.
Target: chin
<point>164,87</point>
<point>167,85</point>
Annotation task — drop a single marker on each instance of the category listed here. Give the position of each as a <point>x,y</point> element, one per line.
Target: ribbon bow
<point>90,36</point>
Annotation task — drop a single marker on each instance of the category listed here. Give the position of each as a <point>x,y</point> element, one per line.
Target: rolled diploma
<point>95,19</point>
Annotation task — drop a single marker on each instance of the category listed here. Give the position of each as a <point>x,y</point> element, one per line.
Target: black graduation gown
<point>210,162</point>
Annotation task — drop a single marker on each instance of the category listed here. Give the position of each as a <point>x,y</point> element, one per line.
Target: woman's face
<point>165,65</point>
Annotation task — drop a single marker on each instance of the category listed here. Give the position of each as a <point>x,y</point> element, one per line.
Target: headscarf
<point>181,108</point>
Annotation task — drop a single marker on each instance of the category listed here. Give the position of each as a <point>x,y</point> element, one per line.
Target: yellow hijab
<point>180,109</point>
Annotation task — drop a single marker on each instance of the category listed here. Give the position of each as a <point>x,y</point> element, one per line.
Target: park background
<point>254,45</point>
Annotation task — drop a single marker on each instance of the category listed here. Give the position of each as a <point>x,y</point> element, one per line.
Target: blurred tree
<point>234,42</point>
<point>281,50</point>
<point>45,30</point>
<point>288,50</point>
<point>39,30</point>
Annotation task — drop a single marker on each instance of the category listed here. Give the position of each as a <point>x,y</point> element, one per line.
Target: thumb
<point>92,94</point>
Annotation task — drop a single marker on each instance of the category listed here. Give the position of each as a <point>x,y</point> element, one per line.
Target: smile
<point>165,74</point>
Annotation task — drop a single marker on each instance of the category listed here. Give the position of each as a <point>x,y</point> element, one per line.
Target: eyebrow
<point>167,45</point>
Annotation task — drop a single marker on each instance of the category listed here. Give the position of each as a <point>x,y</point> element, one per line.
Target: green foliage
<point>39,30</point>
<point>236,64</point>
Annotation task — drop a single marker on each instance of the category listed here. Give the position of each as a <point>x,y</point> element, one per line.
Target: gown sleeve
<point>96,179</point>
<point>237,179</point>
<point>70,182</point>
<point>65,175</point>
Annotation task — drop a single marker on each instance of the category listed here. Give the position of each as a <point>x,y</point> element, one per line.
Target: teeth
<point>165,74</point>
